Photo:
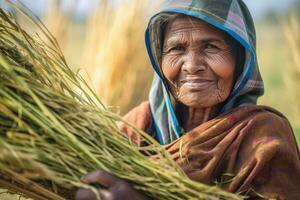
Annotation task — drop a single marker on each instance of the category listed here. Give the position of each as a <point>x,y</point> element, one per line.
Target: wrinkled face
<point>198,62</point>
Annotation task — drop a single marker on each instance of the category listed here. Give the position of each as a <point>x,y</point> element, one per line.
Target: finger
<point>106,195</point>
<point>101,177</point>
<point>85,194</point>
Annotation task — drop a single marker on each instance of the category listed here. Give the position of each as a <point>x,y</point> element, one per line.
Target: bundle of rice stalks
<point>54,129</point>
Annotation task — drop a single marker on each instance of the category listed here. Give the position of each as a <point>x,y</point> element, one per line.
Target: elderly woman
<point>203,102</point>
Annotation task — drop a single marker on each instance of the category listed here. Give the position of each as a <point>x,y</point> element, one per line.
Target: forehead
<point>186,24</point>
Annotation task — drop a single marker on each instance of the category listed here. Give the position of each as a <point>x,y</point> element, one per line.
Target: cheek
<point>171,67</point>
<point>223,65</point>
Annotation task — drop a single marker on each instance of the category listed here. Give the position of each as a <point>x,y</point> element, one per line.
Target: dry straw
<point>54,129</point>
<point>114,52</point>
<point>58,22</point>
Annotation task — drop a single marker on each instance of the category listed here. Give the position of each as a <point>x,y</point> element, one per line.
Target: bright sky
<point>257,7</point>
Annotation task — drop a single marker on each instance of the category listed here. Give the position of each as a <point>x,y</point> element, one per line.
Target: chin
<point>198,103</point>
<point>198,100</point>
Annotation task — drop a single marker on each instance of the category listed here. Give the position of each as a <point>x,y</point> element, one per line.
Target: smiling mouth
<point>196,83</point>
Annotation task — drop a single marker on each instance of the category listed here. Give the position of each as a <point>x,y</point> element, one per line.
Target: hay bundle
<point>53,129</point>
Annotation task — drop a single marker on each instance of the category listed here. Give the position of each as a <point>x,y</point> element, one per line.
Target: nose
<point>193,63</point>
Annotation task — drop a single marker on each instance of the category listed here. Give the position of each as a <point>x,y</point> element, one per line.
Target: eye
<point>178,48</point>
<point>211,48</point>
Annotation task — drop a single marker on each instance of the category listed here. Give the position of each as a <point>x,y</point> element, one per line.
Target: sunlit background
<point>104,40</point>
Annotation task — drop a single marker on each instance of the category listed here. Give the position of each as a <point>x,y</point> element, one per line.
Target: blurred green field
<point>275,60</point>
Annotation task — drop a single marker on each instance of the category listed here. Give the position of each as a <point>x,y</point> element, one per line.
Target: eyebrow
<point>177,40</point>
<point>213,40</point>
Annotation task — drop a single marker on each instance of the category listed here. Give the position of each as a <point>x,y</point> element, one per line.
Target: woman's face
<point>198,62</point>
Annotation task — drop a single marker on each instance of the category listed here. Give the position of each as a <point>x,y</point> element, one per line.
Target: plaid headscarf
<point>231,16</point>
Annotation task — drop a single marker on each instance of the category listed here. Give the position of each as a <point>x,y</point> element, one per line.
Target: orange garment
<point>249,149</point>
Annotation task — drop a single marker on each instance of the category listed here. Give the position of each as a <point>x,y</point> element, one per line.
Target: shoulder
<point>142,109</point>
<point>259,129</point>
<point>140,117</point>
<point>265,146</point>
<point>266,128</point>
<point>259,115</point>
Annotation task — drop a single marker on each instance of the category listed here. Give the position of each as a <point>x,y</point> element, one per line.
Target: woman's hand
<point>115,188</point>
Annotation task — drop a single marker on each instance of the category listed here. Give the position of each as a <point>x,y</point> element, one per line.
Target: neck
<point>192,117</point>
